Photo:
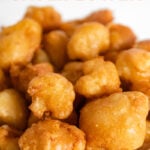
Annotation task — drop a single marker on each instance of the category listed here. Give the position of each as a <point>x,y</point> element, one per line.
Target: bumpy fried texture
<point>100,78</point>
<point>47,17</point>
<point>133,66</point>
<point>19,42</point>
<point>88,41</point>
<point>13,110</point>
<point>146,144</point>
<point>55,43</point>
<point>121,37</point>
<point>117,122</point>
<point>51,93</point>
<point>52,135</point>
<point>73,71</point>
<point>71,119</point>
<point>8,138</point>
<point>22,76</point>
<point>145,44</point>
<point>102,16</point>
<point>40,56</point>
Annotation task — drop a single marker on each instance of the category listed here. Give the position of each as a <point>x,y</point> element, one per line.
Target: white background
<point>134,13</point>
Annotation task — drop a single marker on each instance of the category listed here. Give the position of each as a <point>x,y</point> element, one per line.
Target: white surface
<point>134,13</point>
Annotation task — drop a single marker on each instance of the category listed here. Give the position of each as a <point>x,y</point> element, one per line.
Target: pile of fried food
<point>76,85</point>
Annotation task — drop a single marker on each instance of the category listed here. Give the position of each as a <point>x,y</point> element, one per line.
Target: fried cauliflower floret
<point>117,122</point>
<point>40,56</point>
<point>55,43</point>
<point>133,65</point>
<point>47,16</point>
<point>52,135</point>
<point>121,37</point>
<point>22,76</point>
<point>73,71</point>
<point>102,16</point>
<point>100,78</point>
<point>8,138</point>
<point>145,44</point>
<point>51,93</point>
<point>88,41</point>
<point>13,109</point>
<point>19,42</point>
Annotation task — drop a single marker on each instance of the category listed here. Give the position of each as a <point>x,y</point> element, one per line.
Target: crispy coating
<point>84,92</point>
<point>19,42</point>
<point>40,56</point>
<point>72,119</point>
<point>51,93</point>
<point>73,71</point>
<point>22,76</point>
<point>13,109</point>
<point>46,16</point>
<point>117,122</point>
<point>133,65</point>
<point>8,138</point>
<point>100,78</point>
<point>88,41</point>
<point>55,43</point>
<point>147,137</point>
<point>102,16</point>
<point>145,44</point>
<point>52,135</point>
<point>146,144</point>
<point>121,37</point>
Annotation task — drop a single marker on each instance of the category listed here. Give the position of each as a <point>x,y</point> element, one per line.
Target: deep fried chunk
<point>19,42</point>
<point>46,16</point>
<point>13,109</point>
<point>88,41</point>
<point>100,78</point>
<point>116,122</point>
<point>51,93</point>
<point>52,135</point>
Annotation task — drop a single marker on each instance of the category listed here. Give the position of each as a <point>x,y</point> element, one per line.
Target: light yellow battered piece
<point>116,122</point>
<point>19,42</point>
<point>88,41</point>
